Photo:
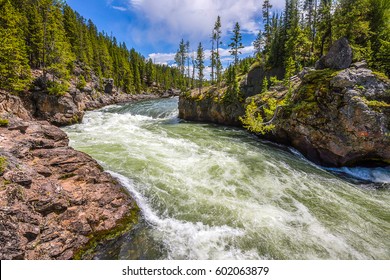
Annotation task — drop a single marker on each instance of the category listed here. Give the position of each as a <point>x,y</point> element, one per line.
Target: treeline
<point>306,29</point>
<point>49,35</point>
<point>297,37</point>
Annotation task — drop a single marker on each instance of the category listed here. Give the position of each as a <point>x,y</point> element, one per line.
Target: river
<point>216,192</point>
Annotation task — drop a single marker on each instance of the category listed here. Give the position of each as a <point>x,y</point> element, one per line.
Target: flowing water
<point>213,192</point>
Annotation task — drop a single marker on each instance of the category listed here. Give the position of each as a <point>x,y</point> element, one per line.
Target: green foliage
<point>274,81</point>
<point>49,35</point>
<point>233,93</point>
<point>57,88</point>
<point>199,64</point>
<point>3,164</point>
<point>14,70</point>
<point>81,83</point>
<point>236,43</point>
<point>265,85</point>
<point>4,123</point>
<point>376,103</point>
<point>253,121</point>
<point>306,29</point>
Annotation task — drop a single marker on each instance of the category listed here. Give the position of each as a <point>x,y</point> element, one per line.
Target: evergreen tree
<point>236,44</point>
<point>258,43</point>
<point>14,70</point>
<point>324,26</point>
<point>266,10</point>
<point>218,43</point>
<point>213,55</point>
<point>180,57</point>
<point>199,62</point>
<point>350,21</point>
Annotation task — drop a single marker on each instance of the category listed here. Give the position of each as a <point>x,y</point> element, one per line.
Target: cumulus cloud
<point>171,20</point>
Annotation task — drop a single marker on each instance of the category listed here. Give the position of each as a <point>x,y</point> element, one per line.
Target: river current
<point>216,192</point>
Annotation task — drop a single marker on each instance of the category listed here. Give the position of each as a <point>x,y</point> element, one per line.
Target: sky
<point>155,27</point>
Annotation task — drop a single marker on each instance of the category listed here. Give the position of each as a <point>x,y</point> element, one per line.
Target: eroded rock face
<point>343,118</point>
<point>339,56</point>
<point>70,108</point>
<point>207,110</point>
<point>335,118</point>
<point>53,199</point>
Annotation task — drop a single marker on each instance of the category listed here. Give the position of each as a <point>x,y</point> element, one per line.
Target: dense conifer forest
<point>50,36</point>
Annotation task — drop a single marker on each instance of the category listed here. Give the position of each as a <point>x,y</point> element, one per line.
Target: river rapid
<point>215,192</point>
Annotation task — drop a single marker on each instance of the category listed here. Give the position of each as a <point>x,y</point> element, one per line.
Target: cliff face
<point>334,118</point>
<point>339,118</point>
<point>209,110</point>
<point>55,202</point>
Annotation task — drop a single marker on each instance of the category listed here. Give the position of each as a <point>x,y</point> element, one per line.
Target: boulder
<point>339,56</point>
<point>108,85</point>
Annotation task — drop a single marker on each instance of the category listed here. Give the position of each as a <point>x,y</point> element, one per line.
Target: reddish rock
<point>53,199</point>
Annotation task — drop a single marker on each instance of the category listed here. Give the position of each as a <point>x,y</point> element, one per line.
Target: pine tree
<point>379,20</point>
<point>180,57</point>
<point>258,43</point>
<point>188,62</point>
<point>266,10</point>
<point>324,26</point>
<point>310,7</point>
<point>14,70</point>
<point>213,55</point>
<point>350,21</point>
<point>199,62</point>
<point>236,44</point>
<point>218,43</point>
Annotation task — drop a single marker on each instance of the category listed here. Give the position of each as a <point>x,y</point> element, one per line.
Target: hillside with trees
<point>335,113</point>
<point>50,36</point>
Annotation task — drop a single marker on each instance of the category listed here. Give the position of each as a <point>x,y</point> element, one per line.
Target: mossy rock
<point>124,225</point>
<point>3,164</point>
<point>4,123</point>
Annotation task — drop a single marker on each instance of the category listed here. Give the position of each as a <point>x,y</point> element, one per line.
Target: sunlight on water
<point>212,192</point>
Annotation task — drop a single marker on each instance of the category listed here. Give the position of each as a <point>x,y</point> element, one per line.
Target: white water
<point>212,192</point>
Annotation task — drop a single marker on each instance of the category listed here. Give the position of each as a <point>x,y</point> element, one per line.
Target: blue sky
<point>155,27</point>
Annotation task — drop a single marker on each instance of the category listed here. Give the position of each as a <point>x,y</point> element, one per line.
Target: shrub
<point>3,164</point>
<point>4,123</point>
<point>81,83</point>
<point>56,88</point>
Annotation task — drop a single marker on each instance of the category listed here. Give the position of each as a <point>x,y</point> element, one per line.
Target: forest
<point>298,36</point>
<point>50,36</point>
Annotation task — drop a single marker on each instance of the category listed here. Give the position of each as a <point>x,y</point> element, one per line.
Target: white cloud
<point>119,8</point>
<point>171,20</point>
<point>168,58</point>
<point>162,58</point>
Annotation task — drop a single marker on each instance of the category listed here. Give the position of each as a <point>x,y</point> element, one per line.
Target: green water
<point>213,192</point>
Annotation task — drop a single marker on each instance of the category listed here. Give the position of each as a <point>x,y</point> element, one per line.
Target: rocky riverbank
<point>55,202</point>
<point>333,117</point>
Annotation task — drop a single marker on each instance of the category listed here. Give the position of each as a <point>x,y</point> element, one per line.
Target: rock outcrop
<point>334,118</point>
<point>209,110</point>
<point>338,118</point>
<point>55,202</point>
<point>69,108</point>
<point>339,56</point>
